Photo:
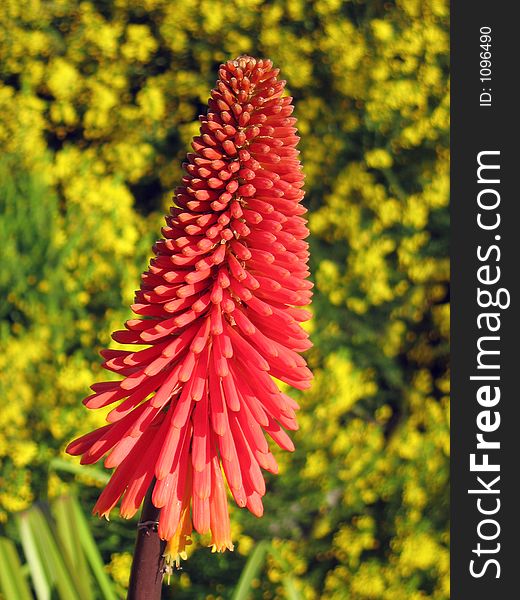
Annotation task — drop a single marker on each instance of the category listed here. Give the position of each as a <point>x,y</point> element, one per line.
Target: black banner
<point>485,310</point>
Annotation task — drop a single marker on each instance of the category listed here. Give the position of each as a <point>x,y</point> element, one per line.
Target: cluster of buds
<point>218,322</point>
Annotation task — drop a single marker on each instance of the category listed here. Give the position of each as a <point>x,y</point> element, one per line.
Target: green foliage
<point>13,581</point>
<point>253,568</point>
<point>251,571</point>
<point>99,101</point>
<point>61,555</point>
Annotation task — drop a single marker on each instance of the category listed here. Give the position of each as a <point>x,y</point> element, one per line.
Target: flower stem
<point>147,566</point>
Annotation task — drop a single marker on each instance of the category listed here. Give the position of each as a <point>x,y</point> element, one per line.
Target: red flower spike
<point>220,309</point>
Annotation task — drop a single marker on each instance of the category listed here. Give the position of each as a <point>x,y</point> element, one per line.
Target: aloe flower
<point>219,313</point>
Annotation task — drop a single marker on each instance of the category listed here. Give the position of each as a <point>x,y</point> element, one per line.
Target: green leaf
<point>59,556</point>
<point>66,528</point>
<point>91,551</point>
<point>59,464</point>
<point>251,571</point>
<point>51,556</point>
<point>13,585</point>
<point>40,574</point>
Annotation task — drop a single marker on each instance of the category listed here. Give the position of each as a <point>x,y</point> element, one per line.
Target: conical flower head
<point>219,311</point>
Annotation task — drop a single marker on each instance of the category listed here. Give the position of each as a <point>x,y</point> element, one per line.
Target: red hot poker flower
<point>219,311</point>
